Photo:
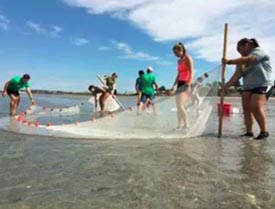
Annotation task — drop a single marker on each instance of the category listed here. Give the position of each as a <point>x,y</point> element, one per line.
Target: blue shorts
<point>144,97</point>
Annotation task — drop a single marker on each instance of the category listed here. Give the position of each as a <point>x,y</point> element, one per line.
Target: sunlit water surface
<point>204,172</point>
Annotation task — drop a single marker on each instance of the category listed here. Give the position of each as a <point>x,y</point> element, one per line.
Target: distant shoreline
<point>73,93</point>
<point>57,92</point>
<point>163,93</point>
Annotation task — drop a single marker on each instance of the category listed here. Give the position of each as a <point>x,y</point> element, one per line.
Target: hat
<point>149,68</point>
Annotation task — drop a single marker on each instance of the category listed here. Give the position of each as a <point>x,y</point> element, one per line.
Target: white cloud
<point>4,22</point>
<point>102,6</point>
<point>80,41</point>
<point>128,53</point>
<point>199,24</point>
<point>53,32</point>
<point>57,29</point>
<point>36,27</point>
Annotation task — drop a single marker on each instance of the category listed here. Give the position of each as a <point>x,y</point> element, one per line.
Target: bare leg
<point>102,100</point>
<point>14,102</point>
<point>181,111</point>
<point>258,102</point>
<point>193,101</point>
<point>147,105</point>
<point>17,104</point>
<point>138,97</point>
<point>140,108</point>
<point>248,117</point>
<point>154,108</point>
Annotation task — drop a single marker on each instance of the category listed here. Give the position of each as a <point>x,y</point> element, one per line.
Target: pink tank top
<point>184,72</point>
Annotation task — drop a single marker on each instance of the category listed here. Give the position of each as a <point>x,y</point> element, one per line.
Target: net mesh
<point>82,121</point>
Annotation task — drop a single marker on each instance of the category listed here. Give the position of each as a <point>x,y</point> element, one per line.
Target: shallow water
<point>203,172</point>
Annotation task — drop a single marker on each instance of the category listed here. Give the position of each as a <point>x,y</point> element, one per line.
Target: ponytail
<point>254,42</point>
<point>251,41</point>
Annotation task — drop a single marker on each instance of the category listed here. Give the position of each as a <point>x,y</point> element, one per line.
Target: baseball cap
<point>149,68</point>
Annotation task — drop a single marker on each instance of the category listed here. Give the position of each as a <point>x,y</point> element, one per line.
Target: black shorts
<point>11,92</point>
<point>181,87</point>
<point>266,90</point>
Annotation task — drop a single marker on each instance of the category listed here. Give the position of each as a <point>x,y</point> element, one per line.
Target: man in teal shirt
<point>12,88</point>
<point>148,82</point>
<point>138,86</point>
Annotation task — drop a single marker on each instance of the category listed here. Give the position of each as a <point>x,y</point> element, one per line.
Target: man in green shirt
<point>12,88</point>
<point>148,82</point>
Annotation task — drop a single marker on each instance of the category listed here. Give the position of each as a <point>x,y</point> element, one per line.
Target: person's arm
<point>189,62</point>
<point>175,83</point>
<point>96,101</point>
<point>137,85</point>
<point>156,87</point>
<point>234,78</point>
<point>28,90</point>
<point>240,61</point>
<point>4,92</point>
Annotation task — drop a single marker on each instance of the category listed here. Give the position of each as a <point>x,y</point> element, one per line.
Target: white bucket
<point>235,110</point>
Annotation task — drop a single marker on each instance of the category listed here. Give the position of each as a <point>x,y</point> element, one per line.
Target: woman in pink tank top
<point>182,83</point>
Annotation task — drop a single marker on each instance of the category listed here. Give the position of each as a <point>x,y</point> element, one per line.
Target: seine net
<point>83,121</point>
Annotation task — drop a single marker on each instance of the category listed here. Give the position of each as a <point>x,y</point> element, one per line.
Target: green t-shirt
<point>110,82</point>
<point>147,83</point>
<point>16,84</point>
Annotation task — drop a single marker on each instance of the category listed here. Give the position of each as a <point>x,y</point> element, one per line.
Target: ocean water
<point>201,172</point>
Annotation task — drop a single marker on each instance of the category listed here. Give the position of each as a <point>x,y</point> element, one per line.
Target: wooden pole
<point>222,81</point>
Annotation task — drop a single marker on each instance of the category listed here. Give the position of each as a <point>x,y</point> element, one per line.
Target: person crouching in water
<point>104,94</point>
<point>12,88</point>
<point>148,82</point>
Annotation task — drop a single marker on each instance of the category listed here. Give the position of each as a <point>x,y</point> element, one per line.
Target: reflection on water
<point>204,172</point>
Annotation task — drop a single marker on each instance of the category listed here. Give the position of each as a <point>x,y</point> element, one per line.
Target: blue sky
<point>64,44</point>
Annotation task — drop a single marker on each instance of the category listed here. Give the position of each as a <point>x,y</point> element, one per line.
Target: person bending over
<point>104,94</point>
<point>12,88</point>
